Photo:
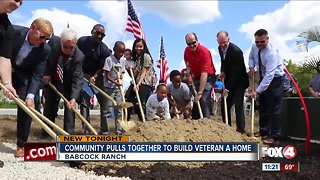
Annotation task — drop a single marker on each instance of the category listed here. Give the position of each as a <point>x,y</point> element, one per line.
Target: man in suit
<point>29,58</point>
<point>233,71</point>
<point>64,70</point>
<point>6,46</point>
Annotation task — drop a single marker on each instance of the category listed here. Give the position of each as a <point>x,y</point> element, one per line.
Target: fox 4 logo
<point>288,152</point>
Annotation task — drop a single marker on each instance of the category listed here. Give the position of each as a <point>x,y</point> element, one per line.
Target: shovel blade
<point>123,105</point>
<point>127,125</point>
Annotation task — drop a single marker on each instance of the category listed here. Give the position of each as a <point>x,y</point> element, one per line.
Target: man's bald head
<point>223,39</point>
<point>192,41</point>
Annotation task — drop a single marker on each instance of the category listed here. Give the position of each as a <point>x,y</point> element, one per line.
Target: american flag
<point>133,23</point>
<point>163,64</point>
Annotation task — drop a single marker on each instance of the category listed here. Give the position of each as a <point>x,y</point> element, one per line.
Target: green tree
<point>302,75</point>
<point>310,35</point>
<point>308,67</point>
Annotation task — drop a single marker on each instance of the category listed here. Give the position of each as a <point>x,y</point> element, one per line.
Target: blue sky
<point>173,19</point>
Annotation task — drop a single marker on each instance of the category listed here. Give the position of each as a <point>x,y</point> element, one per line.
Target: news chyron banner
<point>48,151</point>
<point>119,148</point>
<point>89,148</point>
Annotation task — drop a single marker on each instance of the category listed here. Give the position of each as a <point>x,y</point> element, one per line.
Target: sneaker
<point>19,152</point>
<point>118,132</point>
<point>105,133</point>
<point>85,132</point>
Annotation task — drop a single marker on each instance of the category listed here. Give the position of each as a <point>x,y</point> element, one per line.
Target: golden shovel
<point>137,95</point>
<point>31,114</point>
<point>252,108</point>
<point>126,126</point>
<point>46,120</point>
<point>115,104</point>
<point>73,109</point>
<point>124,123</point>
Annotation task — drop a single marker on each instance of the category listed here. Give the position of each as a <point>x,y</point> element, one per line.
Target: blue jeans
<point>109,112</point>
<point>85,111</point>
<point>205,101</point>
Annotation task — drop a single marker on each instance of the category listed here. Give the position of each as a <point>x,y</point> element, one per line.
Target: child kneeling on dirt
<point>157,107</point>
<point>180,96</point>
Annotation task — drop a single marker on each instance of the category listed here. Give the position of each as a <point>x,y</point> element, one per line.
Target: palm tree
<point>310,35</point>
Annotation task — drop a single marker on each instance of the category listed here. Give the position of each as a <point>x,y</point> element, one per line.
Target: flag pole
<point>126,19</point>
<point>161,70</point>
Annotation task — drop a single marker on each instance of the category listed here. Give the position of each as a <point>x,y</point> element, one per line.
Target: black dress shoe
<point>241,131</point>
<point>270,140</point>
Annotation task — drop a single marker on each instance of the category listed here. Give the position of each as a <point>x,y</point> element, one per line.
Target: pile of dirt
<point>175,130</point>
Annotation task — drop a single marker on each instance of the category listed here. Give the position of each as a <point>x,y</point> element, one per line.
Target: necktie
<point>59,74</point>
<point>224,52</point>
<point>260,65</point>
<point>60,69</point>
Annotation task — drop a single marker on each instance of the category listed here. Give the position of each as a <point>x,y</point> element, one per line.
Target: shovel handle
<point>74,110</point>
<point>225,105</point>
<point>103,93</point>
<point>252,108</point>
<point>198,102</point>
<point>137,94</point>
<point>32,115</point>
<point>46,120</point>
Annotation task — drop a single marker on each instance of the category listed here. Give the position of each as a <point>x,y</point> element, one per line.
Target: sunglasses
<point>261,42</point>
<point>43,37</point>
<point>99,33</point>
<point>192,43</point>
<point>20,1</point>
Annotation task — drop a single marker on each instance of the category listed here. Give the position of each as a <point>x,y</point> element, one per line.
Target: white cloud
<point>113,13</point>
<point>182,12</point>
<point>60,18</point>
<point>129,44</point>
<point>216,60</point>
<point>284,25</point>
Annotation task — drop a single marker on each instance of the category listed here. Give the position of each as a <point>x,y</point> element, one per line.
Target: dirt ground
<point>174,130</point>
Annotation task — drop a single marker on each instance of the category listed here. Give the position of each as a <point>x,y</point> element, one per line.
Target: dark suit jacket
<point>234,68</point>
<point>72,68</point>
<point>27,76</point>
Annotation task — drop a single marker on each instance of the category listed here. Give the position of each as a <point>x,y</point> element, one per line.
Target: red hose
<point>306,114</point>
